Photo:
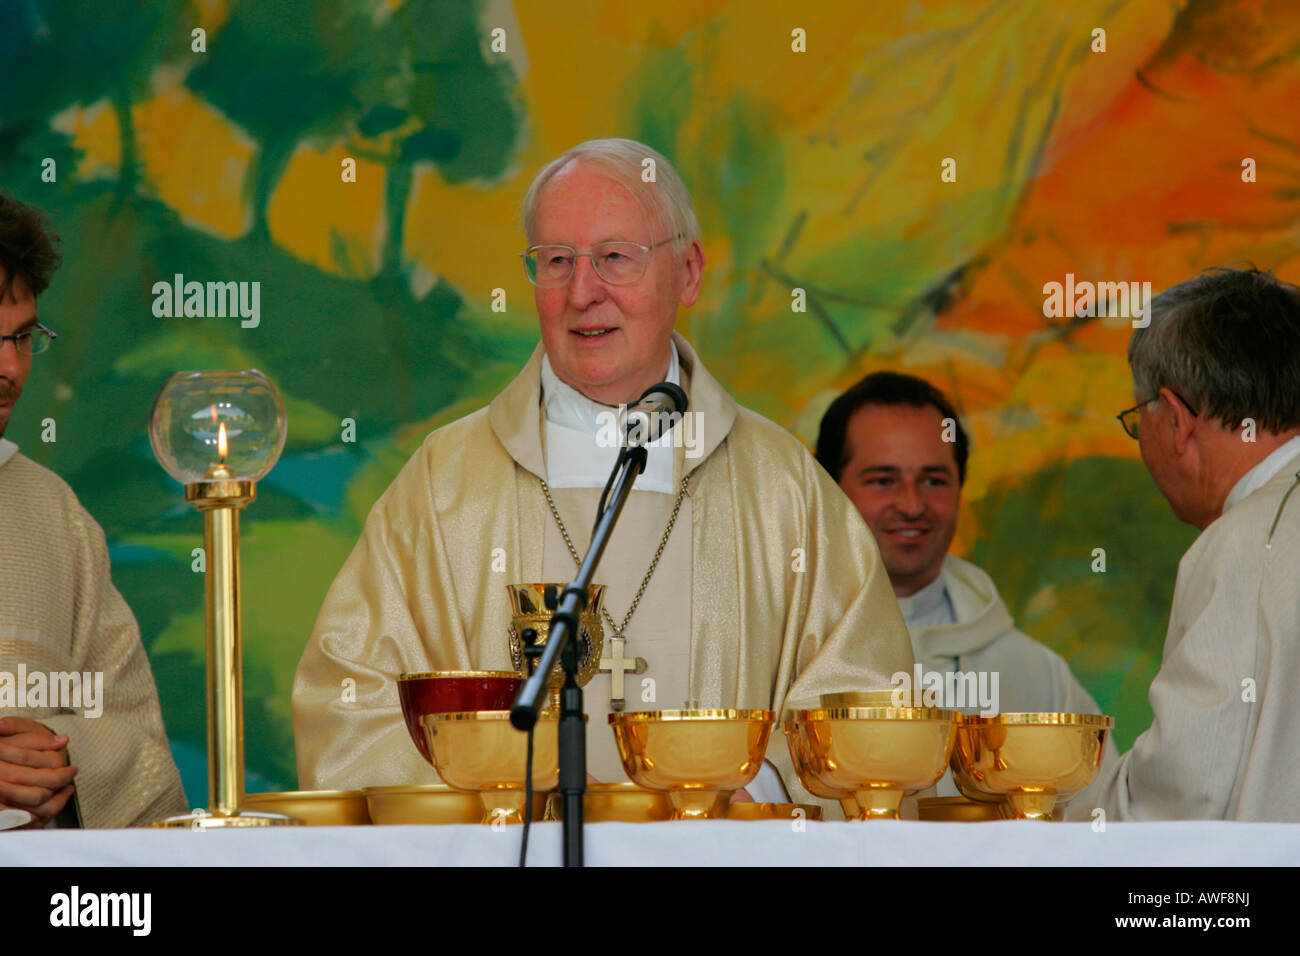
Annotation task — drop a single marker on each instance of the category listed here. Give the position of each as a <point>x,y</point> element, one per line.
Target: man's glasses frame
<point>1131,417</point>
<point>594,253</point>
<point>32,342</point>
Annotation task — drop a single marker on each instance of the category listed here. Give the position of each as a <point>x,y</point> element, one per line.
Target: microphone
<point>654,413</point>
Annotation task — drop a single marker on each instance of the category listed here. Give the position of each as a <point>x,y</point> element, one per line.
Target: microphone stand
<point>560,643</point>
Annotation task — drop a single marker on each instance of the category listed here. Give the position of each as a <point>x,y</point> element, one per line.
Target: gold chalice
<point>528,609</point>
<point>699,757</point>
<point>878,754</point>
<point>481,752</point>
<point>1032,761</point>
<point>848,803</point>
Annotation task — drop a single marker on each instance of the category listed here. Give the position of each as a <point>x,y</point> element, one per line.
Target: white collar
<point>567,406</point>
<point>1264,472</point>
<point>575,458</point>
<point>7,450</point>
<point>926,600</point>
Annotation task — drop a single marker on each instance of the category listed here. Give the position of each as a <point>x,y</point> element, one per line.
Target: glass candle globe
<point>217,426</point>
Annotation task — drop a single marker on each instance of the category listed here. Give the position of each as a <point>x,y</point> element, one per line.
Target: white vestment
<point>770,592</point>
<point>1225,739</point>
<point>60,615</point>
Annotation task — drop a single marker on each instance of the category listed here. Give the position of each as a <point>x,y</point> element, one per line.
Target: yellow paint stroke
<point>311,205</point>
<point>196,159</point>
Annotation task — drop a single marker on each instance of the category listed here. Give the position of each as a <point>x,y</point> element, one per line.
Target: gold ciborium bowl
<point>316,808</point>
<point>1032,761</point>
<point>956,810</point>
<point>698,757</point>
<point>481,752</point>
<point>623,802</point>
<point>773,811</point>
<point>876,754</point>
<point>422,804</point>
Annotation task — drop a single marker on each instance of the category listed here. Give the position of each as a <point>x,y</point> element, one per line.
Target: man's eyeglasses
<point>1130,417</point>
<point>618,263</point>
<point>32,342</point>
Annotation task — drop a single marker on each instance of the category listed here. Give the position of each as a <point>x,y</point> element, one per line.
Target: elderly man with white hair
<point>739,572</point>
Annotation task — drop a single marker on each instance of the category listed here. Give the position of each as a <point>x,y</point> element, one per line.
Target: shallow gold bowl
<point>957,810</point>
<point>481,752</point>
<point>422,804</point>
<point>316,808</point>
<point>1036,762</point>
<point>623,802</point>
<point>699,757</point>
<point>773,811</point>
<point>875,754</point>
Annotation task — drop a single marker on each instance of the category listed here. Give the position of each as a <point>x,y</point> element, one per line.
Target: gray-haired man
<point>769,581</point>
<point>1217,381</point>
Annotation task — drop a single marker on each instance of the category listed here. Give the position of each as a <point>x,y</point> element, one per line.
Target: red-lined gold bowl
<point>452,692</point>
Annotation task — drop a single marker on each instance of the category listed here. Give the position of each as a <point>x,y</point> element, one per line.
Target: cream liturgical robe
<point>60,615</point>
<point>787,596</point>
<point>1225,739</point>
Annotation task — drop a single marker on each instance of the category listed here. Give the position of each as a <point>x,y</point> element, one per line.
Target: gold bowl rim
<point>618,786</point>
<point>413,789</point>
<point>1045,719</point>
<point>470,674</point>
<point>547,716</point>
<point>558,585</point>
<point>938,714</point>
<point>671,716</point>
<point>307,795</point>
<point>837,698</point>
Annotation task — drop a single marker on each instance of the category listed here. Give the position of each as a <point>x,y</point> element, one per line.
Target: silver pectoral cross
<point>617,665</point>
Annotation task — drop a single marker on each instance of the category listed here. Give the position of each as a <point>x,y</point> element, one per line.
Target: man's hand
<point>34,770</point>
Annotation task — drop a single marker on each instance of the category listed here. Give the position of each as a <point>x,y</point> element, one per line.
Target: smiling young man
<point>59,611</point>
<point>898,449</point>
<point>738,574</point>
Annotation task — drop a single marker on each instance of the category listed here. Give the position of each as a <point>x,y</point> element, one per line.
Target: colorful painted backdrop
<point>819,169</point>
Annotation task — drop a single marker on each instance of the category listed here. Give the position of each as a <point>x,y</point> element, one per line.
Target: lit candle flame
<point>223,447</point>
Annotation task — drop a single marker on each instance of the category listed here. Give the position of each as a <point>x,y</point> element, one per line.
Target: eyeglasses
<point>618,263</point>
<point>32,342</point>
<point>1130,417</point>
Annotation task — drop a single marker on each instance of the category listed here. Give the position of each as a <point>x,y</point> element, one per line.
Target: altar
<point>691,843</point>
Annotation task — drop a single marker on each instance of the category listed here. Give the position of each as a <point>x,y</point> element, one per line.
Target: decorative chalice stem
<point>876,804</point>
<point>700,804</point>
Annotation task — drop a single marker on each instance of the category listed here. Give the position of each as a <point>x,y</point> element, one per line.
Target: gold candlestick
<point>182,438</point>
